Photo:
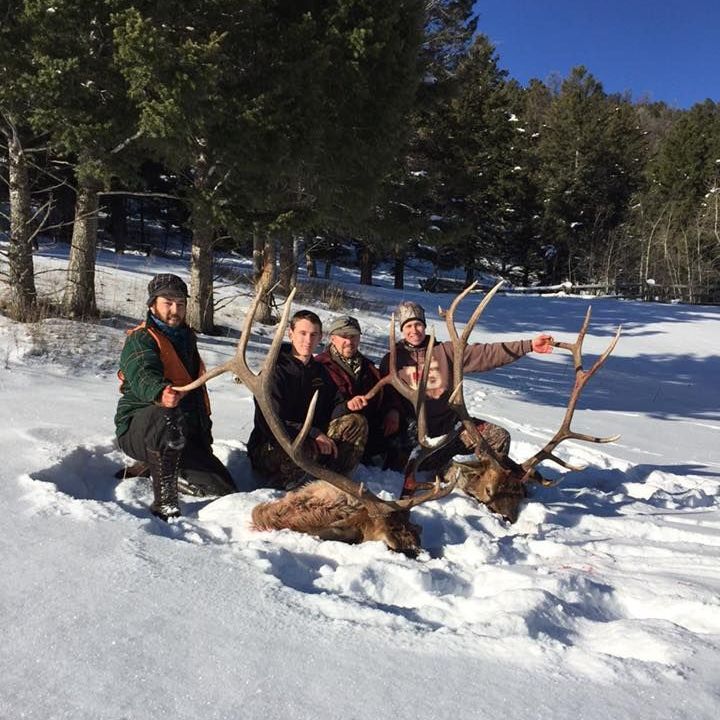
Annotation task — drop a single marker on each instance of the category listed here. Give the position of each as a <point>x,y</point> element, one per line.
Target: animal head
<point>501,489</point>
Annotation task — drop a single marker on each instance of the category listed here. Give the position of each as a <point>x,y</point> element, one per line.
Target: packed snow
<point>602,601</point>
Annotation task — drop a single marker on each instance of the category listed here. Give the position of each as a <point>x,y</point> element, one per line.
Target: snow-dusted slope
<point>602,601</point>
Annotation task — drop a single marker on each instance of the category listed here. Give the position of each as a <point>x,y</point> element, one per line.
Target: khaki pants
<point>276,467</point>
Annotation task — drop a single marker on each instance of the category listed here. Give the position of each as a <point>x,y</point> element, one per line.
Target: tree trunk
<point>399,270</point>
<point>258,253</point>
<point>141,203</point>
<point>366,264</point>
<point>296,245</point>
<point>79,297</point>
<point>23,295</point>
<point>310,264</point>
<point>200,313</point>
<point>328,269</point>
<point>265,282</point>
<point>286,263</point>
<point>117,221</point>
<point>64,213</point>
<point>469,275</point>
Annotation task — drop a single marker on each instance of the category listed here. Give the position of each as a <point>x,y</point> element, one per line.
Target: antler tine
<point>242,369</point>
<point>450,314</point>
<point>420,394</point>
<point>238,363</point>
<point>258,383</point>
<point>427,445</point>
<point>416,396</point>
<point>457,398</point>
<point>209,375</point>
<point>438,491</point>
<point>581,378</point>
<point>392,377</point>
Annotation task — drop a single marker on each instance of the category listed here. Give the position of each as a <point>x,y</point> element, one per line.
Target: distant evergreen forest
<point>267,126</point>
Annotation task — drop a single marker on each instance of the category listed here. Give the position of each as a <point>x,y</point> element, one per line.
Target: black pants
<point>149,430</point>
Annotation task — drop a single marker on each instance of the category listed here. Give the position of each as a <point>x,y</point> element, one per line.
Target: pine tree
<point>686,163</point>
<point>407,205</point>
<point>81,103</point>
<point>15,101</point>
<point>475,159</point>
<point>592,157</point>
<point>285,113</point>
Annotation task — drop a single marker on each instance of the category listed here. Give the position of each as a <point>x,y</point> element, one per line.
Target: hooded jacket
<point>478,357</point>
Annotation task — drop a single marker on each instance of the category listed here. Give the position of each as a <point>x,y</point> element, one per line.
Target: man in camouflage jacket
<point>354,375</point>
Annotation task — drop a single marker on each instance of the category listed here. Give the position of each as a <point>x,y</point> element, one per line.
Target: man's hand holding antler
<point>543,343</point>
<point>170,398</point>
<point>357,403</point>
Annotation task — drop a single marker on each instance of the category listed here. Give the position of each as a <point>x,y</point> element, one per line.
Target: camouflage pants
<point>350,434</point>
<point>497,437</point>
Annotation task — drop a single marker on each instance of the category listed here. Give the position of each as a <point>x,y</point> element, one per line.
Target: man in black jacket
<point>336,437</point>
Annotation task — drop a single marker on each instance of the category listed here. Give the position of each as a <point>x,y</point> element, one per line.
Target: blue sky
<point>664,50</point>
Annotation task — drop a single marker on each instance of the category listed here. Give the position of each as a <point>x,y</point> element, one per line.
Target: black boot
<point>164,473</point>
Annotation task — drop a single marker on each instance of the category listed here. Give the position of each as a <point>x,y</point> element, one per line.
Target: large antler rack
<point>415,396</point>
<point>459,343</point>
<point>581,378</point>
<point>426,445</point>
<point>259,384</point>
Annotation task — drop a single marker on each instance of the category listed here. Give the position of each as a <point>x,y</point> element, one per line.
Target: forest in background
<point>384,130</point>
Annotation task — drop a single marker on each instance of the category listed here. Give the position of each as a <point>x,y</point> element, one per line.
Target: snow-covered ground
<point>602,601</point>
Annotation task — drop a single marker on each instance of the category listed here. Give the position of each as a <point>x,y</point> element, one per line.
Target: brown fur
<point>328,513</point>
<point>502,490</point>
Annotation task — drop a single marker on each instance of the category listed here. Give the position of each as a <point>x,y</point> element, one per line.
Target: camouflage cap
<point>409,310</point>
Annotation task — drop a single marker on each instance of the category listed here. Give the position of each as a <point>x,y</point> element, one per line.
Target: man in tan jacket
<point>400,420</point>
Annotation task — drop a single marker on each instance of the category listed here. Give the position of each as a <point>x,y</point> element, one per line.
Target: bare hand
<point>170,398</point>
<point>391,424</point>
<point>543,343</point>
<point>357,403</point>
<point>326,445</point>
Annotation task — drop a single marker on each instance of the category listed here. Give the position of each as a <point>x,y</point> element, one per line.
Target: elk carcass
<point>494,480</point>
<point>333,506</point>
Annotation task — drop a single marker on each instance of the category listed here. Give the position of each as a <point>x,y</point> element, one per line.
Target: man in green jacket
<point>165,430</point>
